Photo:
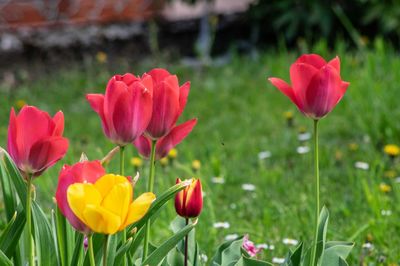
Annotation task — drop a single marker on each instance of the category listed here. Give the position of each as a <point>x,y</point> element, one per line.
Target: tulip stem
<point>91,254</point>
<point>150,189</point>
<point>316,169</point>
<point>105,245</point>
<point>186,244</point>
<point>121,172</point>
<point>31,244</point>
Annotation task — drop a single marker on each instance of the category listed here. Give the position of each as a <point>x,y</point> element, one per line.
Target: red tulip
<point>165,144</point>
<point>125,109</point>
<point>316,85</point>
<point>82,172</point>
<point>169,101</point>
<point>189,201</point>
<point>35,140</point>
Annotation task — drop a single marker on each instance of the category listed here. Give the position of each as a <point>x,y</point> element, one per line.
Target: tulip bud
<point>189,201</point>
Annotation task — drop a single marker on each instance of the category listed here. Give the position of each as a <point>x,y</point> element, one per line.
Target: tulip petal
<point>79,195</point>
<point>174,137</point>
<point>139,208</point>
<point>114,91</point>
<point>194,199</point>
<point>96,101</point>
<point>12,136</point>
<point>335,62</point>
<point>46,152</point>
<point>58,120</point>
<point>301,76</point>
<point>107,182</point>
<point>101,220</point>
<point>147,82</point>
<point>118,199</point>
<point>324,92</point>
<point>158,75</point>
<point>311,59</point>
<point>284,88</point>
<point>143,145</point>
<point>179,200</point>
<point>183,96</point>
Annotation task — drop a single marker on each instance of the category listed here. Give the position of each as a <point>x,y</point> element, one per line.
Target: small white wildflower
<point>386,212</point>
<point>231,237</point>
<point>361,165</point>
<point>204,257</point>
<point>289,241</point>
<point>278,260</point>
<point>271,247</point>
<point>264,155</point>
<point>224,225</point>
<point>248,187</point>
<point>304,136</point>
<point>368,246</point>
<point>303,149</point>
<point>218,180</point>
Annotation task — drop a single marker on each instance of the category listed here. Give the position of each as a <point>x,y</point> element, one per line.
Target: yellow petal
<point>79,195</point>
<point>101,220</point>
<point>105,183</point>
<point>190,189</point>
<point>118,199</point>
<point>139,208</point>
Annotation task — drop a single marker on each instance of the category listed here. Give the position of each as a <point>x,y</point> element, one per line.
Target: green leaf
<point>62,240</point>
<point>177,224</point>
<point>4,260</point>
<point>158,255</point>
<point>295,258</point>
<point>244,261</point>
<point>122,250</point>
<point>12,233</point>
<point>44,241</point>
<point>10,201</point>
<point>217,258</point>
<point>111,248</point>
<point>322,228</point>
<point>336,252</point>
<point>78,249</point>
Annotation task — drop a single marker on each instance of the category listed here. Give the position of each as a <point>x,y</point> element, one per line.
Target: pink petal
<point>335,62</point>
<point>301,76</point>
<point>143,144</point>
<point>183,96</point>
<point>158,75</point>
<point>115,89</point>
<point>284,88</point>
<point>177,134</point>
<point>58,120</point>
<point>96,101</point>
<point>12,137</point>
<point>311,59</point>
<point>324,92</point>
<point>47,152</point>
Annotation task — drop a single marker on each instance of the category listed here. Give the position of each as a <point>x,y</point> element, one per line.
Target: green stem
<point>186,244</point>
<point>121,172</point>
<point>31,244</point>
<point>316,171</point>
<point>105,245</point>
<point>150,187</point>
<point>91,253</point>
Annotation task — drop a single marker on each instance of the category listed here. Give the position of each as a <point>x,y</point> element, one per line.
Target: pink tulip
<point>125,109</point>
<point>316,85</point>
<point>169,101</point>
<point>249,246</point>
<point>35,140</point>
<point>82,172</point>
<point>165,144</point>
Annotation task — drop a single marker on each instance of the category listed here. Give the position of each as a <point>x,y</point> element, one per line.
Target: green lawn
<point>240,114</point>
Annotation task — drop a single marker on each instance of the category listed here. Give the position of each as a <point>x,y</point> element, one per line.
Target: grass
<point>240,115</point>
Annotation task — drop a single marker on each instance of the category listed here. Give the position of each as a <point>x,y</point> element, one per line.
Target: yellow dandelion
<point>338,155</point>
<point>353,146</point>
<point>136,162</point>
<point>385,188</point>
<point>164,161</point>
<point>390,174</point>
<point>20,103</point>
<point>196,165</point>
<point>101,57</point>
<point>172,154</point>
<point>370,238</point>
<point>288,114</point>
<point>392,150</point>
<point>302,129</point>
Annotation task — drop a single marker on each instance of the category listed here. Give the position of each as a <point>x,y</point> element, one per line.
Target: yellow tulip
<point>106,206</point>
